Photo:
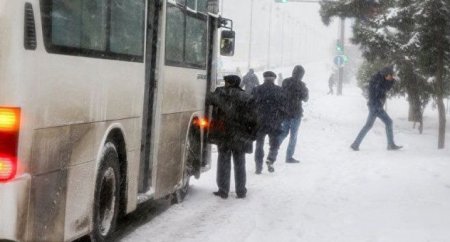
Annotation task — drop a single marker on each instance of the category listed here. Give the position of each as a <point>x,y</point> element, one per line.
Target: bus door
<point>226,48</point>
<point>146,164</point>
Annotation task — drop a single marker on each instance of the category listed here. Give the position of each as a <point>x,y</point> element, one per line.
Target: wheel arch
<point>191,131</point>
<point>116,135</point>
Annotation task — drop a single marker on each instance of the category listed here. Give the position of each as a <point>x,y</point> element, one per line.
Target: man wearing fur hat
<point>233,130</point>
<point>269,100</point>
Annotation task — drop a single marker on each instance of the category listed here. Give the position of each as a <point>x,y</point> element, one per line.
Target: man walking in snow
<point>280,79</point>
<point>379,85</point>
<point>269,100</point>
<point>296,92</point>
<point>331,82</point>
<point>249,81</point>
<point>233,130</point>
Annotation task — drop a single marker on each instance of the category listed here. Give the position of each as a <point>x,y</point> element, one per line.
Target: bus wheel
<point>181,193</point>
<point>106,205</point>
<point>188,169</point>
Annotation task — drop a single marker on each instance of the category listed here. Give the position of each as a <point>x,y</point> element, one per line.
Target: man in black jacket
<point>379,85</point>
<point>296,92</point>
<point>234,130</point>
<point>269,100</point>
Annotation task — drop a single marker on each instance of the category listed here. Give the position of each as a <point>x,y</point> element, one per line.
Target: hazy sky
<point>297,33</point>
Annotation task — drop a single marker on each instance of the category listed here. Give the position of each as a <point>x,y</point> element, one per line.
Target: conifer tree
<point>414,35</point>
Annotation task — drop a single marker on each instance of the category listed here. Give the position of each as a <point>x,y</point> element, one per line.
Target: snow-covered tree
<point>403,32</point>
<point>432,27</point>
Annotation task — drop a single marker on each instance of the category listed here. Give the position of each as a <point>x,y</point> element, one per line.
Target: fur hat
<point>269,74</point>
<point>232,80</point>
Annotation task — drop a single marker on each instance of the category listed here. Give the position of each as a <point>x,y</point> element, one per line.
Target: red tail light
<point>201,122</point>
<point>7,168</point>
<point>9,142</point>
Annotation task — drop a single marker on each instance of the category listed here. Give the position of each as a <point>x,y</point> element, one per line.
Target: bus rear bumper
<point>14,197</point>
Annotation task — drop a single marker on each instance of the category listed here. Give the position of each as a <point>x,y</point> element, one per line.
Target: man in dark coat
<point>379,85</point>
<point>296,92</point>
<point>235,130</point>
<point>249,81</point>
<point>331,82</point>
<point>269,101</point>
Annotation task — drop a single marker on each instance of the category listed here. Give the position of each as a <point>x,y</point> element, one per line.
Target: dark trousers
<point>373,115</point>
<point>291,126</point>
<point>274,141</point>
<point>331,91</point>
<point>224,170</point>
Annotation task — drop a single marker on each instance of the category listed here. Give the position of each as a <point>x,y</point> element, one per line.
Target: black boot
<point>241,195</point>
<point>270,167</point>
<point>221,194</point>
<point>258,170</point>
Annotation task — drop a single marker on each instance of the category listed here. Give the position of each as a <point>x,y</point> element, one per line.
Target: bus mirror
<point>227,43</point>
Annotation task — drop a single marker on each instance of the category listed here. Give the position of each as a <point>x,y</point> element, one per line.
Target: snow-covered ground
<point>334,194</point>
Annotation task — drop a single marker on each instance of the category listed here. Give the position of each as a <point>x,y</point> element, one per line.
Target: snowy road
<point>334,194</point>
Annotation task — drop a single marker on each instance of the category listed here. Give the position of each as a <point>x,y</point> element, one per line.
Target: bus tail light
<point>9,142</point>
<point>8,168</point>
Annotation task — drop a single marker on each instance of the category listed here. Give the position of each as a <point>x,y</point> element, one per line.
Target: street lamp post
<point>251,35</point>
<point>341,37</point>
<point>283,21</point>
<point>341,68</point>
<point>292,41</point>
<point>270,35</point>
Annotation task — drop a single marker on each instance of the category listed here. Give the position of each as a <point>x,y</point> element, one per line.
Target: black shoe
<point>258,171</point>
<point>241,196</point>
<point>221,194</point>
<point>292,160</point>
<point>394,147</point>
<point>354,147</point>
<point>270,167</point>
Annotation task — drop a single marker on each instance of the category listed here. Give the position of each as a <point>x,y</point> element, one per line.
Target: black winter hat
<point>388,70</point>
<point>269,74</point>
<point>298,71</point>
<point>233,80</point>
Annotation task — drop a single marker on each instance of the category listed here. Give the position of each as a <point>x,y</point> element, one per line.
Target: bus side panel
<point>170,152</point>
<point>81,178</point>
<point>79,201</point>
<point>64,164</point>
<point>63,182</point>
<point>48,203</point>
<point>75,101</point>
<point>184,90</point>
<point>79,97</point>
<point>183,94</point>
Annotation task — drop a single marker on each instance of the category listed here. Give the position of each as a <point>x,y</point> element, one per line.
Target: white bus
<point>102,107</point>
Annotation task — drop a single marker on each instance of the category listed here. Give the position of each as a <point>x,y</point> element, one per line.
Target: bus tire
<point>107,192</point>
<point>188,169</point>
<point>180,194</point>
